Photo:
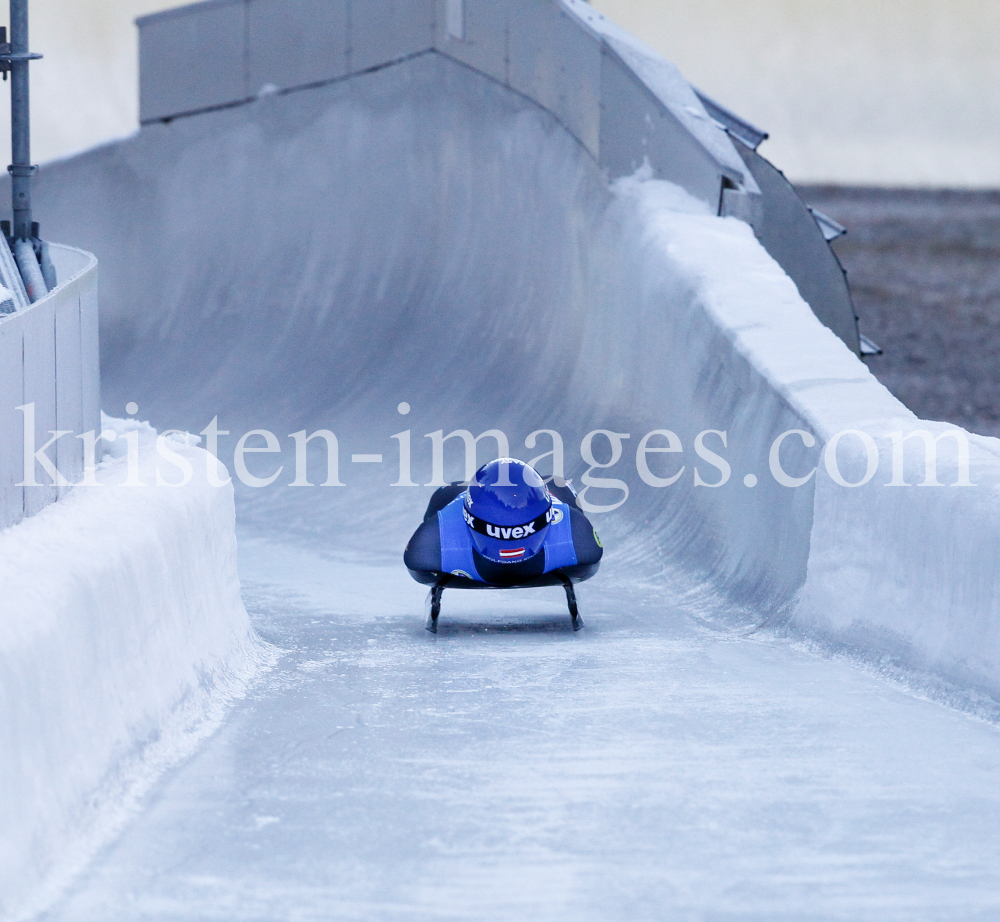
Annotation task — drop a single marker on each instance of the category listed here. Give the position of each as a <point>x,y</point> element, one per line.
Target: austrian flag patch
<point>512,552</point>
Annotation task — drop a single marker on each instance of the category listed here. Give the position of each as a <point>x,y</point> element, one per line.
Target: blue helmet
<point>507,509</point>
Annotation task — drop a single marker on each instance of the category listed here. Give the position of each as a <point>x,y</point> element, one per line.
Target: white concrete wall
<point>49,357</point>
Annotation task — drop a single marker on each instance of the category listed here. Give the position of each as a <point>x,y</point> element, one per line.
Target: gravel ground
<point>924,268</point>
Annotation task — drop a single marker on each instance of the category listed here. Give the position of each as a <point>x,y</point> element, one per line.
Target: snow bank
<point>122,639</point>
<point>903,572</point>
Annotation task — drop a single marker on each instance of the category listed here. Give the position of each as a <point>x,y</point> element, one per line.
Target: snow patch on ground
<point>123,639</point>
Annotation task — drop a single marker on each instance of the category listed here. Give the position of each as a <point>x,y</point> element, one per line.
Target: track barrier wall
<point>623,103</point>
<point>123,639</point>
<point>897,569</point>
<point>49,365</point>
<point>620,101</point>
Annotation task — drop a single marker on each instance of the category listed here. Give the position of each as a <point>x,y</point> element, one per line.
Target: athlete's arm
<point>585,541</point>
<point>423,551</point>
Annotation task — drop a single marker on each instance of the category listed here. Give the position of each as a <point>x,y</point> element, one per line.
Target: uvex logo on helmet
<point>511,532</point>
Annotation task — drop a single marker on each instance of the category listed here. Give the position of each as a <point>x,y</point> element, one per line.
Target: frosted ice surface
<point>646,768</point>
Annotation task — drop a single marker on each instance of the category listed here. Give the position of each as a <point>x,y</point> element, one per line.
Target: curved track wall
<point>623,103</point>
<point>436,262</point>
<point>421,233</point>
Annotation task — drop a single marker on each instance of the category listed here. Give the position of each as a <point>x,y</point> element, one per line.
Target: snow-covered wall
<point>122,639</point>
<point>899,568</point>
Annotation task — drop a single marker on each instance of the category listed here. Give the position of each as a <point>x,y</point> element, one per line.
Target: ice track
<point>647,769</point>
<point>421,235</point>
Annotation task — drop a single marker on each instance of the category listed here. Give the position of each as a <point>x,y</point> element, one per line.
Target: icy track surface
<point>650,767</point>
<point>645,768</point>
